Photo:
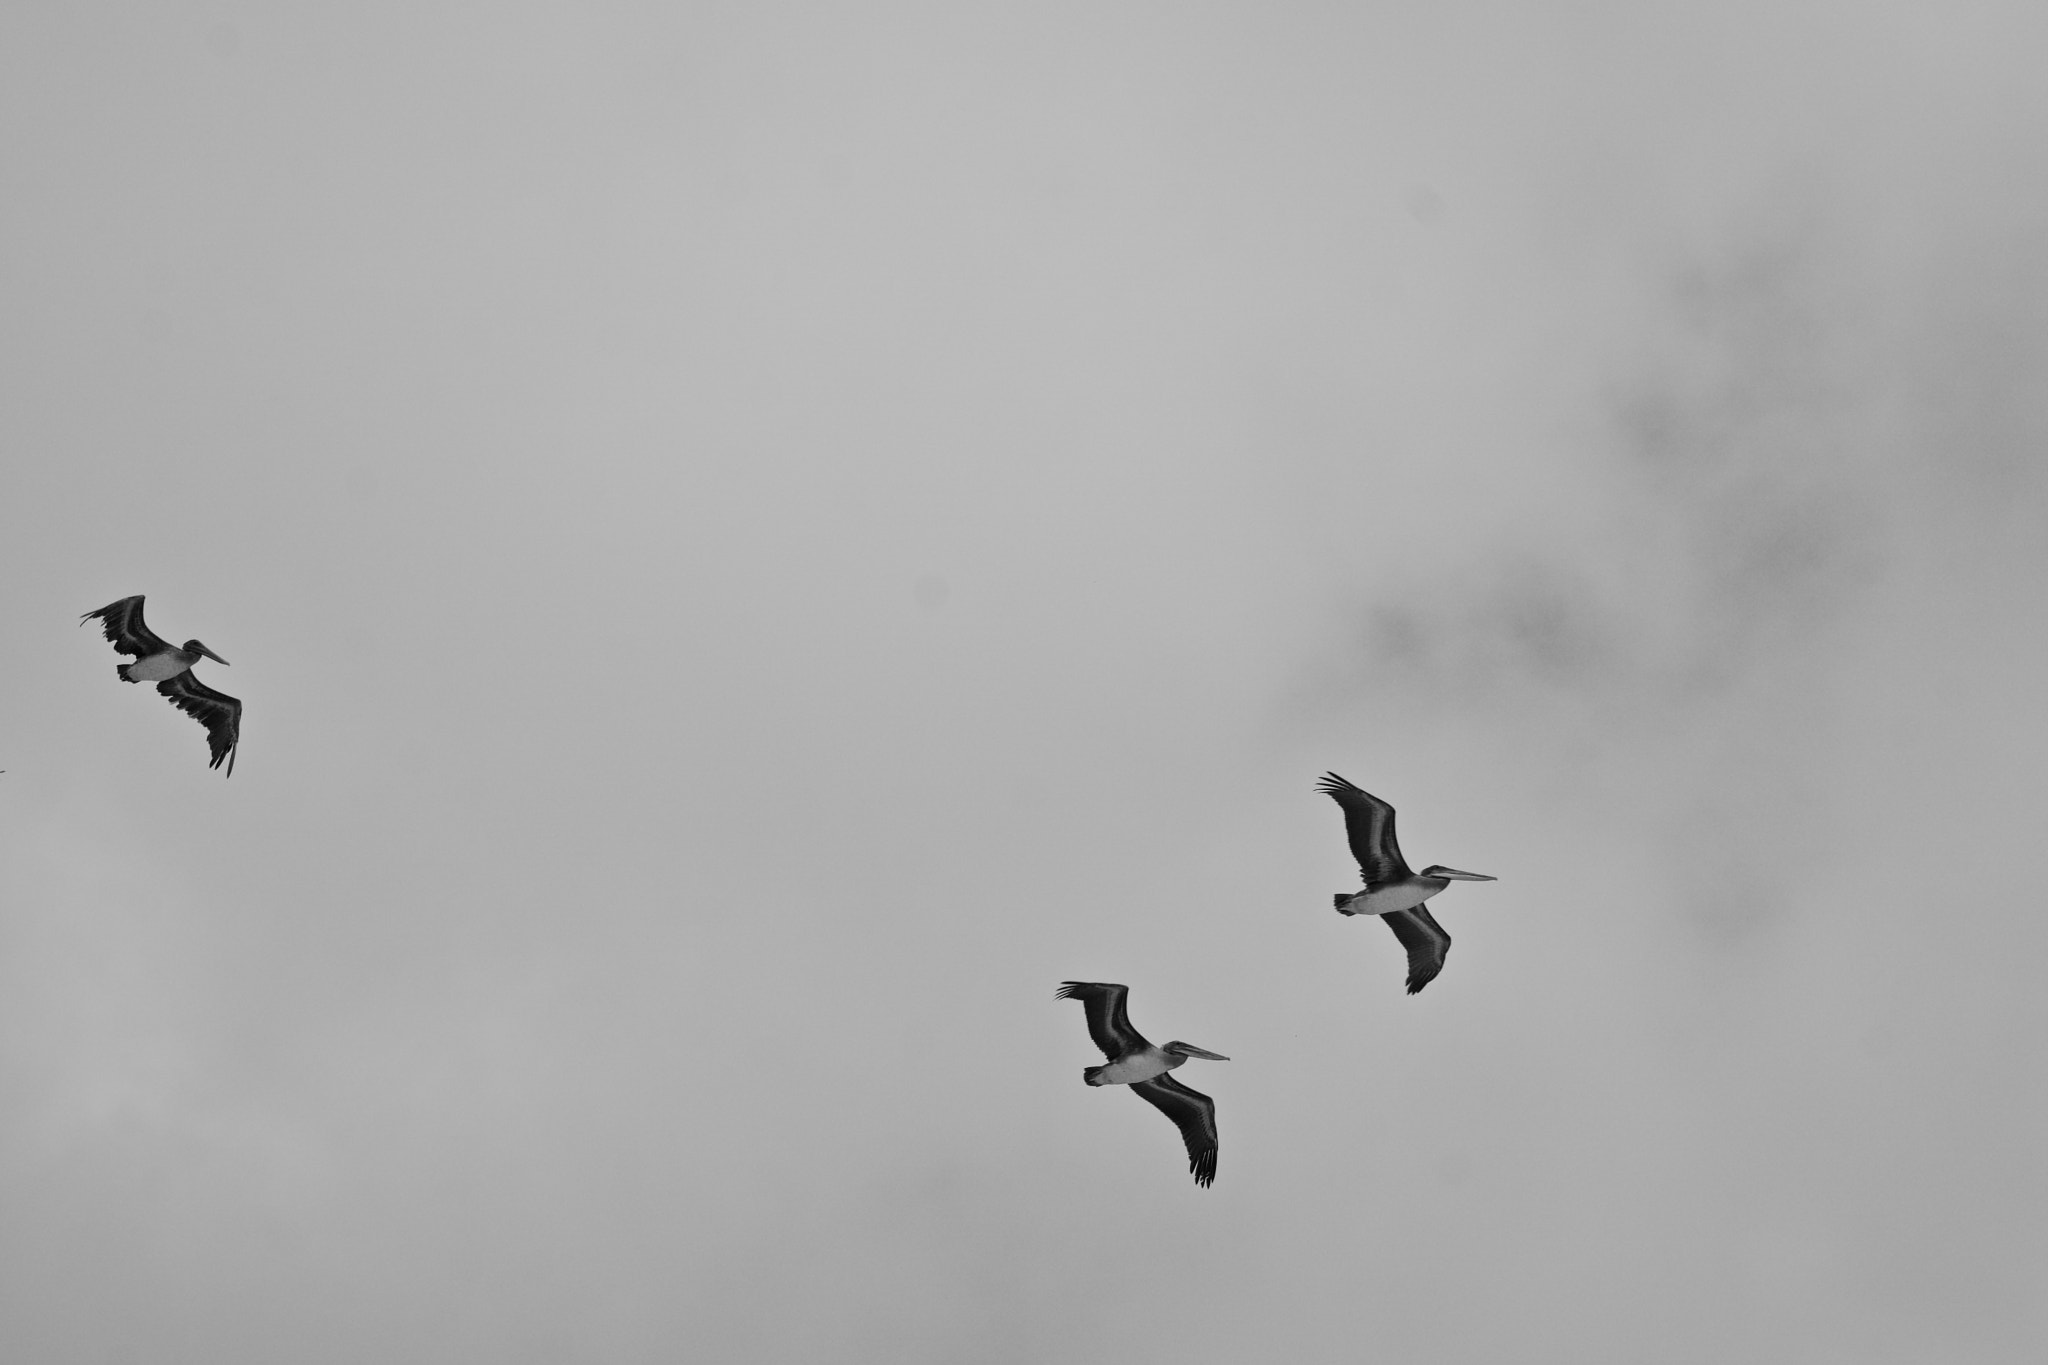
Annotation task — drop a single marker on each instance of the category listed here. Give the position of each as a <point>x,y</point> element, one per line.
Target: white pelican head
<point>1180,1049</point>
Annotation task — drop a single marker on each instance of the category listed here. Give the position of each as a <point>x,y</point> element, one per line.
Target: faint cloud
<point>1732,515</point>
<point>1521,619</point>
<point>1424,204</point>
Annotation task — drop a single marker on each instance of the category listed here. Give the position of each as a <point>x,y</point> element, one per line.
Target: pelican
<point>1143,1067</point>
<point>171,670</point>
<point>1391,890</point>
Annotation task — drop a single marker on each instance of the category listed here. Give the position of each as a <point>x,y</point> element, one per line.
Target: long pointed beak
<point>211,655</point>
<point>1458,876</point>
<point>1197,1052</point>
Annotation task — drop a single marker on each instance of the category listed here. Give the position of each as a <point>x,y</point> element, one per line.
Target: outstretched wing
<point>1108,1025</point>
<point>1369,822</point>
<point>1425,940</point>
<point>220,713</point>
<point>124,627</point>
<point>1193,1113</point>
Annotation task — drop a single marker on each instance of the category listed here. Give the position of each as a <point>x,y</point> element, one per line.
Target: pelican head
<point>194,647</point>
<point>1180,1049</point>
<point>1439,870</point>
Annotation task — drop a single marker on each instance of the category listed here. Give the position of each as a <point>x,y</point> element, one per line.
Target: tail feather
<point>1343,898</point>
<point>1092,1074</point>
<point>122,671</point>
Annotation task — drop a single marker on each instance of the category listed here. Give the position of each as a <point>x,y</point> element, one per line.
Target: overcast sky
<point>755,540</point>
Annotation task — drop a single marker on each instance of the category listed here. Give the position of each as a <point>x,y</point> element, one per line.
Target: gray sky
<point>757,540</point>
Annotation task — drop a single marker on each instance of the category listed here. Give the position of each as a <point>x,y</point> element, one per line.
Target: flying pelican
<point>171,670</point>
<point>1391,890</point>
<point>1143,1067</point>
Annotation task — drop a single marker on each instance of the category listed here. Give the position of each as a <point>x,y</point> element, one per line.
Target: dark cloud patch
<point>1526,621</point>
<point>1731,515</point>
<point>1746,430</point>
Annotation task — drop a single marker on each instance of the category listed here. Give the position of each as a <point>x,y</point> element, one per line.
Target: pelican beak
<point>1197,1052</point>
<point>1458,876</point>
<point>210,654</point>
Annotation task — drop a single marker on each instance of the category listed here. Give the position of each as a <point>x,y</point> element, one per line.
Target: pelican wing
<point>1369,822</point>
<point>1427,944</point>
<point>1108,1025</point>
<point>220,713</point>
<point>1193,1113</point>
<point>125,630</point>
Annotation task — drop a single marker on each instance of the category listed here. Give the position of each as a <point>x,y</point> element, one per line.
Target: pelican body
<point>1143,1067</point>
<point>1392,891</point>
<point>170,668</point>
<point>1406,893</point>
<point>167,664</point>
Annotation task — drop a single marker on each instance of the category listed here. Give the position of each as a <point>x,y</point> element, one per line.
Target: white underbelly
<point>1130,1070</point>
<point>1389,899</point>
<point>157,667</point>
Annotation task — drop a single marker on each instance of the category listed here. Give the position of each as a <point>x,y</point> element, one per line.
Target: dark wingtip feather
<point>102,612</point>
<point>1204,1167</point>
<point>105,616</point>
